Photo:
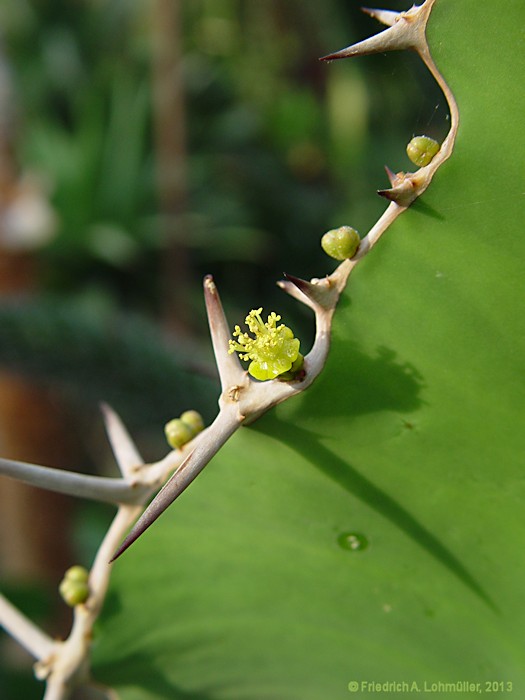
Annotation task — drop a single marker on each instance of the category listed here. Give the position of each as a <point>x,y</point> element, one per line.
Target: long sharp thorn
<point>389,39</point>
<point>228,365</point>
<point>221,429</point>
<point>404,31</point>
<point>124,449</point>
<point>322,294</point>
<point>391,175</point>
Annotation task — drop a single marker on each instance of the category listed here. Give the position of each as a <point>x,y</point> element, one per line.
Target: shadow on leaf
<point>355,384</point>
<point>138,670</point>
<point>309,446</point>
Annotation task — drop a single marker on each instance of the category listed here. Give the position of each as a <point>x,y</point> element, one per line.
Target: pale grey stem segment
<point>97,488</point>
<point>124,449</point>
<point>219,432</point>
<point>101,569</point>
<point>37,643</point>
<point>386,219</point>
<point>56,689</point>
<point>448,144</point>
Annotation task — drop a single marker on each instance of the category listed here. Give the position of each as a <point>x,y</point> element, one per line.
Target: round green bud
<point>341,243</point>
<point>74,587</point>
<point>177,433</point>
<point>77,574</point>
<point>422,149</point>
<point>193,420</point>
<point>73,592</point>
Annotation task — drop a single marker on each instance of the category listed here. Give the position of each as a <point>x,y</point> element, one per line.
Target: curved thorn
<point>219,431</point>
<point>407,32</point>
<point>294,291</point>
<point>401,195</point>
<point>124,449</point>
<point>321,293</point>
<point>391,175</point>
<point>391,39</point>
<point>230,370</point>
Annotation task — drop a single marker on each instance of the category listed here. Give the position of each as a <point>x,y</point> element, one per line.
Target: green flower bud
<point>77,574</point>
<point>341,243</point>
<point>177,433</point>
<point>74,587</point>
<point>193,420</point>
<point>422,149</point>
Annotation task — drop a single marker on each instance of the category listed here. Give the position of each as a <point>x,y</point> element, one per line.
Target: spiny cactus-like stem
<point>407,30</point>
<point>65,665</point>
<point>68,666</point>
<point>252,399</point>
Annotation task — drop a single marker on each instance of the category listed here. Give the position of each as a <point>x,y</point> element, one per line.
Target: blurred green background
<point>144,145</point>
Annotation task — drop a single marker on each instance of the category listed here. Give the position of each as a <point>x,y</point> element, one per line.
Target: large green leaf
<point>412,438</point>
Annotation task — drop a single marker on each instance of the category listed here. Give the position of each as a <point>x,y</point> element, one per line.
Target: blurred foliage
<point>275,154</point>
<point>148,380</point>
<point>276,142</point>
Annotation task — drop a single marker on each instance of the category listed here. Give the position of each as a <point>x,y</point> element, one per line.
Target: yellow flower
<point>273,351</point>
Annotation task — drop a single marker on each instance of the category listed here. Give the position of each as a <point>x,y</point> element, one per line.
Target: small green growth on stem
<point>193,420</point>
<point>177,433</point>
<point>341,243</point>
<point>273,351</point>
<point>422,149</point>
<point>181,430</point>
<point>74,587</point>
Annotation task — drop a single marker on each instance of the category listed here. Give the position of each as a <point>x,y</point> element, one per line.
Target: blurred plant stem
<point>169,117</point>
